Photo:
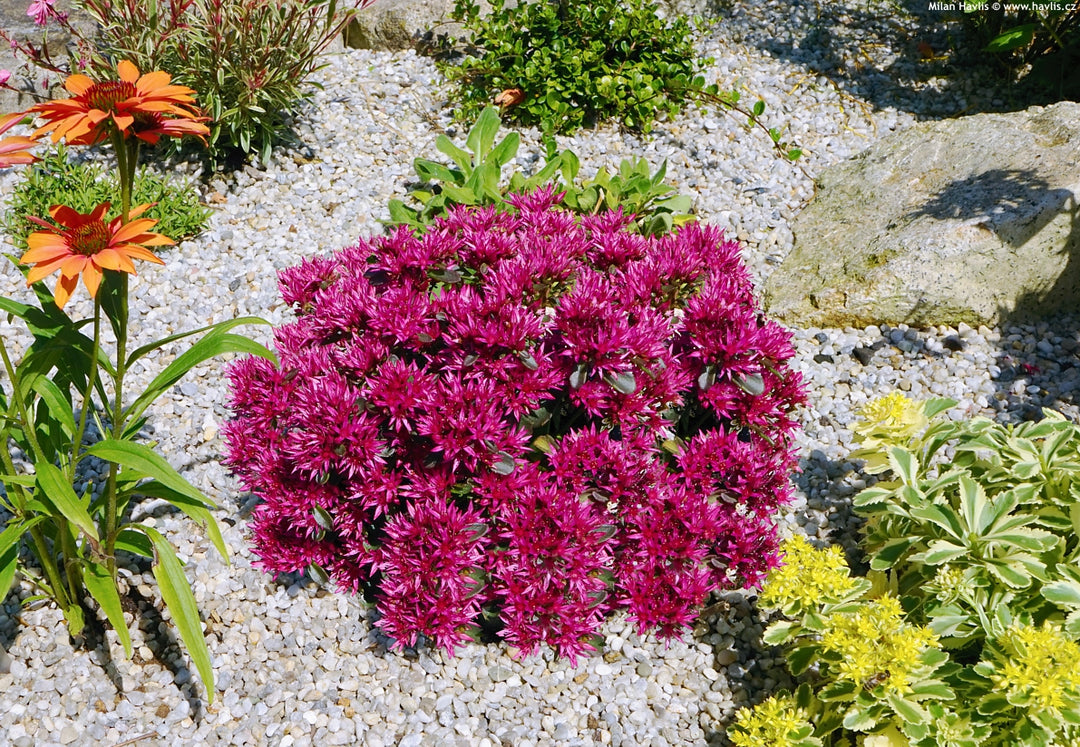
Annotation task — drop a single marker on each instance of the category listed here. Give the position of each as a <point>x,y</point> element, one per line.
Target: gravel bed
<point>297,665</point>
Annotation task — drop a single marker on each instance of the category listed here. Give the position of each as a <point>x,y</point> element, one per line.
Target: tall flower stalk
<point>74,538</point>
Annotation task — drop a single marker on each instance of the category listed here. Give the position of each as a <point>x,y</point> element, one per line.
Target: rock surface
<point>15,21</point>
<point>974,219</point>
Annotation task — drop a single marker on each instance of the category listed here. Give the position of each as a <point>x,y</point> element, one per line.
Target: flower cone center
<point>105,96</point>
<point>89,239</point>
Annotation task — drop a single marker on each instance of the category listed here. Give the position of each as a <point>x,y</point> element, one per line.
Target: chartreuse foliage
<point>965,632</point>
<point>57,179</point>
<point>561,66</point>
<point>474,177</point>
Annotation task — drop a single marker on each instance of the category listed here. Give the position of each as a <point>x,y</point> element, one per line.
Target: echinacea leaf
<point>102,587</point>
<point>196,508</point>
<point>176,592</point>
<point>219,327</point>
<point>57,491</point>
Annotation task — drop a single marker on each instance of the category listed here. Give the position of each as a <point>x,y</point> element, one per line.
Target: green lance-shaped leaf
<point>218,328</point>
<point>102,586</point>
<point>215,343</point>
<point>57,492</point>
<point>445,145</point>
<point>59,407</point>
<point>430,171</point>
<point>505,150</point>
<point>482,134</point>
<point>9,551</point>
<point>195,508</point>
<point>147,462</point>
<point>176,591</point>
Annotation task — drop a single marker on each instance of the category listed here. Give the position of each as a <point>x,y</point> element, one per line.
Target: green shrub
<point>575,64</point>
<point>56,180</point>
<point>474,177</point>
<point>965,632</point>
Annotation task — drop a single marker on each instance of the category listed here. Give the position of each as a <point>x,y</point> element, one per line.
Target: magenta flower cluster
<point>520,421</point>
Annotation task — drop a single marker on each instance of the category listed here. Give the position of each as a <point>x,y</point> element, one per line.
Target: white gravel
<point>297,665</point>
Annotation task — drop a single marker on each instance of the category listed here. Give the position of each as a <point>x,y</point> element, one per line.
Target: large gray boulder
<point>974,219</point>
<point>394,24</point>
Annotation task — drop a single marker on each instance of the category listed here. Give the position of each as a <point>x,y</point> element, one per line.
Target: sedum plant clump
<point>966,631</point>
<point>519,421</point>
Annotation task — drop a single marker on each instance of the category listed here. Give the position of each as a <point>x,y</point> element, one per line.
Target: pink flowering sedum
<point>521,417</point>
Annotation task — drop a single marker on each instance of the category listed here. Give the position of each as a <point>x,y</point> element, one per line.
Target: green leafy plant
<point>562,66</point>
<point>475,177</point>
<point>1037,40</point>
<point>63,533</point>
<point>973,550</point>
<point>250,60</point>
<point>576,63</point>
<point>56,179</point>
<point>991,530</point>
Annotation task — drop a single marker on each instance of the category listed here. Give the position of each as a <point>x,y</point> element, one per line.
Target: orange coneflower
<point>13,149</point>
<point>85,245</point>
<point>146,106</point>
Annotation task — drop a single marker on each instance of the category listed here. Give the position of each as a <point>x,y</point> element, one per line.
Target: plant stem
<point>87,397</point>
<point>127,156</point>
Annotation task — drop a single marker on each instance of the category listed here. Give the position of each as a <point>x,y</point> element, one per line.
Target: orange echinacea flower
<point>146,106</point>
<point>13,149</point>
<point>85,245</point>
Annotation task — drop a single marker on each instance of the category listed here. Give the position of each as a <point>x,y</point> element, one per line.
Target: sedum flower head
<point>893,418</point>
<point>949,583</point>
<point>877,646</point>
<point>523,369</point>
<point>807,575</point>
<point>775,722</point>
<point>1040,666</point>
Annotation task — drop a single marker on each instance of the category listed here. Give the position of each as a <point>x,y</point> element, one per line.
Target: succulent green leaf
<point>482,134</point>
<point>460,157</point>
